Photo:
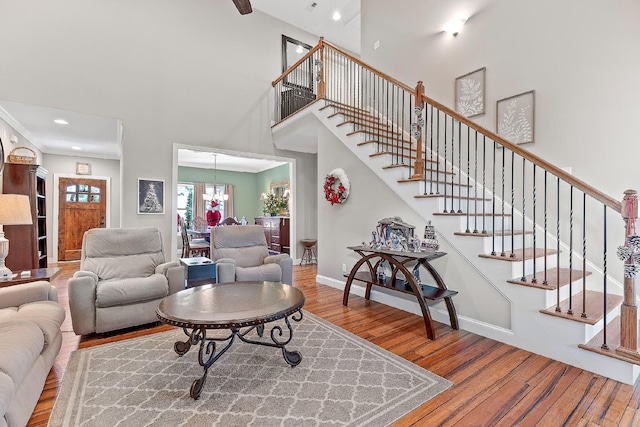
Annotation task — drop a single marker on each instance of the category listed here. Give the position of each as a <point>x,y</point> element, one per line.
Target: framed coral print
<point>470,93</point>
<point>515,118</point>
<point>150,196</point>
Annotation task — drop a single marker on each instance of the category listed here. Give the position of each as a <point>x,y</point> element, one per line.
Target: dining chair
<point>192,248</point>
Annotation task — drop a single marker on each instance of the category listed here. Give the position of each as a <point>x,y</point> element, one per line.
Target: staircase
<point>537,234</point>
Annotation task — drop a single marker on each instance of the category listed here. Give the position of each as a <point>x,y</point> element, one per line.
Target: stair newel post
<point>629,310</point>
<point>321,82</point>
<point>418,165</point>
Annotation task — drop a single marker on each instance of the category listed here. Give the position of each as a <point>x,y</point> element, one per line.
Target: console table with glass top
<point>398,262</point>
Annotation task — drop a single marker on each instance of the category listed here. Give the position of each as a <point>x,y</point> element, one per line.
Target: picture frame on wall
<point>83,168</point>
<point>470,93</point>
<point>515,117</point>
<point>150,196</point>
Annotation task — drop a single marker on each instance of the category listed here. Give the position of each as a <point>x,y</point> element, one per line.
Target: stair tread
<point>406,156</point>
<point>369,128</point>
<point>613,342</point>
<point>408,143</point>
<point>554,276</point>
<point>471,214</point>
<point>492,234</point>
<point>593,308</point>
<point>519,254</point>
<point>429,196</point>
<point>379,133</point>
<point>334,104</point>
<point>359,116</point>
<point>426,169</point>
<point>435,182</point>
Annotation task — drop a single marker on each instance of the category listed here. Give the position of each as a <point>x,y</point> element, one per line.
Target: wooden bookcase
<point>27,243</point>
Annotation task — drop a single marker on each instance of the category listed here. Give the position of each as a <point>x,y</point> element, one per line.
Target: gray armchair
<point>123,276</point>
<point>241,255</point>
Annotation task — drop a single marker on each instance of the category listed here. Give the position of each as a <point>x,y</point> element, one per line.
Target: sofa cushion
<point>7,390</point>
<point>246,244</point>
<point>120,253</point>
<point>268,272</point>
<point>48,315</point>
<point>22,343</point>
<point>114,292</point>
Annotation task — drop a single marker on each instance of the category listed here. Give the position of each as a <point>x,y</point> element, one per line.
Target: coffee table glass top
<point>230,305</point>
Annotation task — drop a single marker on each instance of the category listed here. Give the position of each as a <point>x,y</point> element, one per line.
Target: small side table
<point>199,271</point>
<point>47,274</point>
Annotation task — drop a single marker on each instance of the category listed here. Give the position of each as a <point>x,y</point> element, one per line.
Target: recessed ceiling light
<point>76,148</point>
<point>336,16</point>
<point>61,122</point>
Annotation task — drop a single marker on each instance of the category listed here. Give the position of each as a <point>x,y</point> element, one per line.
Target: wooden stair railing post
<point>629,310</point>
<point>418,165</point>
<point>321,82</point>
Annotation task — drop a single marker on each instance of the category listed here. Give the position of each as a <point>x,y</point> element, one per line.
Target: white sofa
<point>122,279</point>
<point>30,339</point>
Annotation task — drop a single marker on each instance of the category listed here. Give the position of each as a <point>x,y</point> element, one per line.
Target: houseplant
<point>275,205</point>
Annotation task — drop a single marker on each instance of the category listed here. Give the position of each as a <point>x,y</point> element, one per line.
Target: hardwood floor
<point>494,384</point>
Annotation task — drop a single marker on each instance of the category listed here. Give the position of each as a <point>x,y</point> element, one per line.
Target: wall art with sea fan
<point>470,93</point>
<point>515,118</point>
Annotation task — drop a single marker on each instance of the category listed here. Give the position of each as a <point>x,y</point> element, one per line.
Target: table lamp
<point>15,209</point>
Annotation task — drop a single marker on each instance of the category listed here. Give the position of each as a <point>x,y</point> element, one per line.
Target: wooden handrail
<point>300,61</point>
<point>373,70</point>
<point>577,183</point>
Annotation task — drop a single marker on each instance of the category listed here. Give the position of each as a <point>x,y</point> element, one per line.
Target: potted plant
<point>275,205</point>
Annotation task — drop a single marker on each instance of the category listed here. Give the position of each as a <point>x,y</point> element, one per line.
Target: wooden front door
<point>82,206</point>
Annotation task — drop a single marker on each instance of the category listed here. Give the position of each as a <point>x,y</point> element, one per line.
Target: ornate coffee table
<point>231,306</point>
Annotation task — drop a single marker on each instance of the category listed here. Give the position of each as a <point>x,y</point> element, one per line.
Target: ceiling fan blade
<point>243,6</point>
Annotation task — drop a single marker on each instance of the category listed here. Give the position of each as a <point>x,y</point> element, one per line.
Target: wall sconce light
<point>263,196</point>
<point>454,26</point>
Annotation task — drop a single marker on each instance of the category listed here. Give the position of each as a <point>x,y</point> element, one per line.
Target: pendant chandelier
<point>218,197</point>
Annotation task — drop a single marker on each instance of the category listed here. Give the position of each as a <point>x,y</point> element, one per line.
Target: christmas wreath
<point>336,187</point>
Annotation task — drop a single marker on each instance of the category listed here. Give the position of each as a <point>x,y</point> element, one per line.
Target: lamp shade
<point>15,209</point>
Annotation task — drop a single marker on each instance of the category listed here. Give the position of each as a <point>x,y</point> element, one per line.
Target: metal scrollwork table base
<point>240,307</point>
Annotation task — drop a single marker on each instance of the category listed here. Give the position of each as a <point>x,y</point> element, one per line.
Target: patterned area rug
<point>342,380</point>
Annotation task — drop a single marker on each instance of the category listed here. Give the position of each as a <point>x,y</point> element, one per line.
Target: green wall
<point>247,186</point>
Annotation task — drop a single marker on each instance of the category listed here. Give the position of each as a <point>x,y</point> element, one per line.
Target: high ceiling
<point>100,137</point>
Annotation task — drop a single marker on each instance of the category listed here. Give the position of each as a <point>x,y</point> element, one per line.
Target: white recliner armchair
<point>242,255</point>
<point>123,276</point>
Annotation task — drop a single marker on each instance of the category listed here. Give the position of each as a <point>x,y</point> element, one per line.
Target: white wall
<point>578,55</point>
<point>188,72</point>
<point>370,200</point>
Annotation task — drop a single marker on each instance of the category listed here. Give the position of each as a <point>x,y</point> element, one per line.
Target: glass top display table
<point>373,258</point>
<point>240,307</point>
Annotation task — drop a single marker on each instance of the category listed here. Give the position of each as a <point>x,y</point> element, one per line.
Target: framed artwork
<point>150,196</point>
<point>515,117</point>
<point>83,168</point>
<point>470,93</point>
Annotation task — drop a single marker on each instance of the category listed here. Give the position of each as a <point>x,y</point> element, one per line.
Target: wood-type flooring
<point>494,384</point>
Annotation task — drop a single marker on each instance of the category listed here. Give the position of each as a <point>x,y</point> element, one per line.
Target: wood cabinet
<point>276,231</point>
<point>27,243</point>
